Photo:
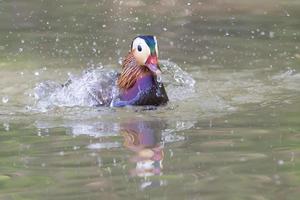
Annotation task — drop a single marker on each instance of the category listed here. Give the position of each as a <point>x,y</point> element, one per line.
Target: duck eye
<point>139,48</point>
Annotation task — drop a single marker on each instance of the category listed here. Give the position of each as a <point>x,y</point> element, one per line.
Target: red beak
<point>151,63</point>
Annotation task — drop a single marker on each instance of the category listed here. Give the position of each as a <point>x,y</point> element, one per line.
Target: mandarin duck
<point>140,82</point>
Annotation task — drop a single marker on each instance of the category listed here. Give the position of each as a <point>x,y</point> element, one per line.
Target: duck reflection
<point>144,139</point>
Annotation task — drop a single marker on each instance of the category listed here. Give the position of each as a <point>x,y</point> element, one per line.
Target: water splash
<point>173,72</point>
<point>288,79</point>
<point>93,87</point>
<point>179,84</point>
<point>97,86</point>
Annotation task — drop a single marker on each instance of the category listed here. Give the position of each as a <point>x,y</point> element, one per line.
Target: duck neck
<point>131,72</point>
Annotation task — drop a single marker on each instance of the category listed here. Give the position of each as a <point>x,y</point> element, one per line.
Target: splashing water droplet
<point>5,99</point>
<point>159,78</point>
<point>160,85</point>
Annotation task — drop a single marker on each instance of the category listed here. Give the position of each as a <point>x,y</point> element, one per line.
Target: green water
<point>235,135</point>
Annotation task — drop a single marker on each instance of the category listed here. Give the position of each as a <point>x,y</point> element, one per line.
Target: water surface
<point>230,131</point>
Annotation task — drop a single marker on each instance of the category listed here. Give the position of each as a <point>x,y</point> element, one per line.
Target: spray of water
<point>97,87</point>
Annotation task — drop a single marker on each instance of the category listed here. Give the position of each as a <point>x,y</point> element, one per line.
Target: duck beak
<point>152,64</point>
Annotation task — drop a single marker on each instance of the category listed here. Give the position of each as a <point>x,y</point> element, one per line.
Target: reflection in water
<point>144,138</point>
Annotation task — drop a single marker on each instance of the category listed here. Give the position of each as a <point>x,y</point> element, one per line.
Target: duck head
<point>141,60</point>
<point>145,51</point>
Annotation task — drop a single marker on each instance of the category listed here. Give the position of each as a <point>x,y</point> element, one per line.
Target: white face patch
<point>142,51</point>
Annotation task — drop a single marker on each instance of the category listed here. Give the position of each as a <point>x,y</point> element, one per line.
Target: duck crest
<point>130,72</point>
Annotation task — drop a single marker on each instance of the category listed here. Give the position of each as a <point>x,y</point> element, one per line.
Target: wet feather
<point>130,72</point>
